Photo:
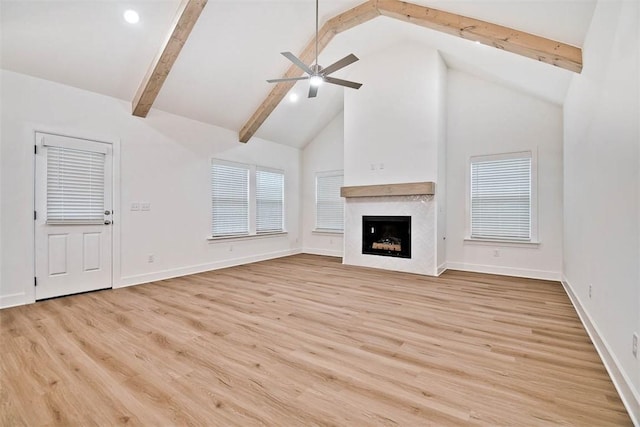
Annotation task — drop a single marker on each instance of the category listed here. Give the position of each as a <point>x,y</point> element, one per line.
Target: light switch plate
<point>145,206</point>
<point>135,206</point>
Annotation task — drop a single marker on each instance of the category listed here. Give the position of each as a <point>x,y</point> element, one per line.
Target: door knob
<point>107,222</point>
<point>107,212</point>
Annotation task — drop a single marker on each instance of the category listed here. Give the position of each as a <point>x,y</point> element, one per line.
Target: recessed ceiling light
<point>131,16</point>
<point>293,97</point>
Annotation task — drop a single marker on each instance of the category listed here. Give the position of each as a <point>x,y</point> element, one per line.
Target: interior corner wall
<point>323,154</point>
<point>391,122</point>
<point>164,160</point>
<point>441,180</point>
<point>486,118</point>
<point>602,191</point>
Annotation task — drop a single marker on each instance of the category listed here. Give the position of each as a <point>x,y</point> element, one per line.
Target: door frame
<point>115,185</point>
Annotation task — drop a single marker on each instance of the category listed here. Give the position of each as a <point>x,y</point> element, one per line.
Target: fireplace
<point>386,236</point>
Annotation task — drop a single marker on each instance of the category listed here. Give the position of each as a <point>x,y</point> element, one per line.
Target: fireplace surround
<point>413,200</point>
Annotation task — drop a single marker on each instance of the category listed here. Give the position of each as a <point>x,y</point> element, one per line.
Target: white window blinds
<point>329,204</point>
<point>501,197</point>
<point>75,186</point>
<point>229,199</point>
<point>269,201</point>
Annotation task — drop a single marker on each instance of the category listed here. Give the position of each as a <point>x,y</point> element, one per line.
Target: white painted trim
<point>213,239</point>
<point>326,232</point>
<point>200,268</point>
<point>325,252</point>
<point>441,268</point>
<point>506,271</point>
<point>630,397</point>
<point>14,300</point>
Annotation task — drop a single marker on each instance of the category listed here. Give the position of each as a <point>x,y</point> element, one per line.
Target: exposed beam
<point>403,189</point>
<point>539,48</point>
<point>335,25</point>
<point>184,21</point>
<point>505,38</point>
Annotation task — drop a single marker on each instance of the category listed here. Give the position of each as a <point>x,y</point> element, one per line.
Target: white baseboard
<point>506,271</point>
<point>13,300</point>
<point>185,271</point>
<point>325,252</point>
<point>630,396</point>
<point>441,268</point>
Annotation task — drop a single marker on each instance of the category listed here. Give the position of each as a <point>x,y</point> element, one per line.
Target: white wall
<point>486,118</point>
<point>164,160</point>
<point>324,153</point>
<point>391,123</point>
<point>602,190</point>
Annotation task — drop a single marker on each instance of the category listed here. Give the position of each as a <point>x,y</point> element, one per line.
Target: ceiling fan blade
<point>341,82</point>
<point>288,79</point>
<point>313,91</point>
<point>349,59</point>
<point>291,57</point>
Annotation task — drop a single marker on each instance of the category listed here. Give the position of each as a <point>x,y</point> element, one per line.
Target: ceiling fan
<point>317,74</point>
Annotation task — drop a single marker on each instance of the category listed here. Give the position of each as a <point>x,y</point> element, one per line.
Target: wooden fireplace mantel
<point>404,189</point>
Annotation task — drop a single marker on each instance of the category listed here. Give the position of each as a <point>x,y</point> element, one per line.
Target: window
<point>75,186</point>
<point>269,201</point>
<point>245,199</point>
<point>229,199</point>
<point>502,196</point>
<point>329,204</point>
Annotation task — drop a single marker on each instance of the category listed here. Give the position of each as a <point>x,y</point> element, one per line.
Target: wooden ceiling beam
<point>184,21</point>
<point>539,48</point>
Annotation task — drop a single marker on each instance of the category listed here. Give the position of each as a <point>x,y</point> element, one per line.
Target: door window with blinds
<point>502,197</point>
<point>75,188</point>
<point>245,199</point>
<point>329,204</point>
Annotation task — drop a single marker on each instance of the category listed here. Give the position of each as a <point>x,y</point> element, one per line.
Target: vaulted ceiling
<point>219,76</point>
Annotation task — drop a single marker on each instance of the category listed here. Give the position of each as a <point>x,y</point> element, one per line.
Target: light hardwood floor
<point>302,341</point>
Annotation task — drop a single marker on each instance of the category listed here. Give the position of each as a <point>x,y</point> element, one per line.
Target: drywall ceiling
<point>219,77</point>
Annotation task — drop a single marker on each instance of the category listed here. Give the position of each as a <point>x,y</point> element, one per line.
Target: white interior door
<point>73,215</point>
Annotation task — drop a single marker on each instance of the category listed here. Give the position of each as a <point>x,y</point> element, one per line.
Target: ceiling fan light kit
<point>317,74</point>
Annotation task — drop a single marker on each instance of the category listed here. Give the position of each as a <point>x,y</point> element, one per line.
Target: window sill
<point>502,242</point>
<point>246,236</point>
<point>327,232</point>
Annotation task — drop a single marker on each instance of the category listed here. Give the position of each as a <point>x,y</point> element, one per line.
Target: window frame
<point>213,163</point>
<point>252,201</point>
<point>534,236</point>
<point>325,174</point>
<point>255,175</point>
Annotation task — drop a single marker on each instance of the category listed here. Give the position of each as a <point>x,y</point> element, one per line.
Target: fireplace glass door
<point>386,236</point>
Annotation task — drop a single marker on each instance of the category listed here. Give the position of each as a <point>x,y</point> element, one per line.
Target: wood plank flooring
<point>303,341</point>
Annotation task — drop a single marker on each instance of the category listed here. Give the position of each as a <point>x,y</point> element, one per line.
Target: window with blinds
<point>501,190</point>
<point>329,204</point>
<point>75,186</point>
<point>269,201</point>
<point>229,199</point>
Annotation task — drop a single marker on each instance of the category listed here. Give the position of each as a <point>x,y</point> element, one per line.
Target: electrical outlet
<point>135,206</point>
<point>634,345</point>
<point>590,286</point>
<point>150,259</point>
<point>145,206</point>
